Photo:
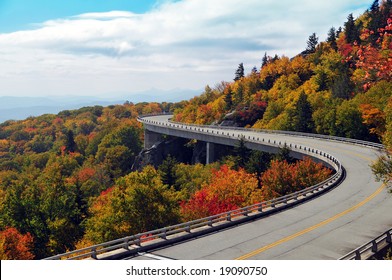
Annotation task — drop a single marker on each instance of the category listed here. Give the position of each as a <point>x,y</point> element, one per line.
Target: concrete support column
<point>150,138</point>
<point>210,153</point>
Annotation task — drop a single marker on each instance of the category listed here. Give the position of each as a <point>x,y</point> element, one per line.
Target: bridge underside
<point>154,135</point>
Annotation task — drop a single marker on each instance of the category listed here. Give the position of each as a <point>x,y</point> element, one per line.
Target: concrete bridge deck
<point>324,228</point>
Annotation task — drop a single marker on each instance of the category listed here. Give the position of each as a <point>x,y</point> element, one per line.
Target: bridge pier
<point>210,153</point>
<point>150,138</point>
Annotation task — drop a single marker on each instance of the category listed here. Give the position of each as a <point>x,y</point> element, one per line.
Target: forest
<point>340,87</point>
<point>66,180</point>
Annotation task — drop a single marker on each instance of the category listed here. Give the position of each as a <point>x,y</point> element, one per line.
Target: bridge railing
<point>363,252</point>
<point>135,243</point>
<point>369,249</point>
<point>269,131</point>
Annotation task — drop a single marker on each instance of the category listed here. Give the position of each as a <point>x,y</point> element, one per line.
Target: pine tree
<point>375,22</point>
<point>242,154</point>
<point>70,144</point>
<point>386,11</point>
<point>167,171</point>
<point>338,32</point>
<point>303,121</point>
<point>375,7</point>
<point>341,87</point>
<point>258,163</point>
<point>312,43</point>
<point>351,30</point>
<point>332,38</point>
<point>284,155</point>
<point>264,61</point>
<point>240,73</point>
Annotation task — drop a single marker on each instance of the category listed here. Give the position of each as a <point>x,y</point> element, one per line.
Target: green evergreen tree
<point>341,87</point>
<point>241,153</point>
<point>302,120</point>
<point>338,32</point>
<point>375,22</point>
<point>265,60</point>
<point>240,73</point>
<point>386,11</point>
<point>332,38</point>
<point>312,43</point>
<point>284,154</point>
<point>167,170</point>
<point>351,30</point>
<point>375,7</point>
<point>70,144</point>
<point>322,80</point>
<point>258,163</point>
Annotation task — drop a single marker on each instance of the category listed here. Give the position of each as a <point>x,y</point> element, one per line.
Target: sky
<point>110,48</point>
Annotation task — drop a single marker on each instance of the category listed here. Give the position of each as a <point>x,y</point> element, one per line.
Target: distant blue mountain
<point>19,108</point>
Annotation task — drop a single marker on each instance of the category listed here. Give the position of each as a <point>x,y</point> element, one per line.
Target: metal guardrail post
<point>138,240</point>
<point>126,244</point>
<point>374,246</point>
<point>164,234</point>
<point>246,212</point>
<point>94,253</point>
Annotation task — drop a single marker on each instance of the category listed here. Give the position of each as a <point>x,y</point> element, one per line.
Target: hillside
<point>339,87</point>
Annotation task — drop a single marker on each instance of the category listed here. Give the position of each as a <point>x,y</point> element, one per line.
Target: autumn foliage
<point>204,204</point>
<point>66,180</point>
<point>336,76</point>
<point>229,189</point>
<point>283,178</point>
<point>15,246</point>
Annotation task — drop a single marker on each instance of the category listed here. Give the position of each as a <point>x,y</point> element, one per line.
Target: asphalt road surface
<point>326,227</point>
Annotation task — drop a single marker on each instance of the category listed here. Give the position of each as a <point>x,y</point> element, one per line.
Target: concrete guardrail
<point>369,249</point>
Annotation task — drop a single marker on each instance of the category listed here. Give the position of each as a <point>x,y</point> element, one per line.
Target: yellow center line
<point>352,153</point>
<point>302,232</point>
<point>323,223</point>
<point>345,152</point>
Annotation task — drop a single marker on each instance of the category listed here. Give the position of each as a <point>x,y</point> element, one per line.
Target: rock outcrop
<point>175,147</point>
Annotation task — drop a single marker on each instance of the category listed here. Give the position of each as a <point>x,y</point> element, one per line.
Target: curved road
<point>327,227</point>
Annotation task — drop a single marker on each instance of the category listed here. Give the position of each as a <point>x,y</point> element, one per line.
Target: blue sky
<point>23,14</point>
<point>107,48</point>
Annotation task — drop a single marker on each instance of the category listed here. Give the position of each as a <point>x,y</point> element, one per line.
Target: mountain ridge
<point>21,107</point>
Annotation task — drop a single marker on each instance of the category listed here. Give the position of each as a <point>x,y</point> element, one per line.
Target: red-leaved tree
<point>15,246</point>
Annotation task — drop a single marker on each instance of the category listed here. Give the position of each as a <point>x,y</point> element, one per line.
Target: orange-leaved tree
<point>228,189</point>
<point>15,246</point>
<point>283,178</point>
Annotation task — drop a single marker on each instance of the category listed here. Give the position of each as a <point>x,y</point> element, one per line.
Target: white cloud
<point>184,44</point>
